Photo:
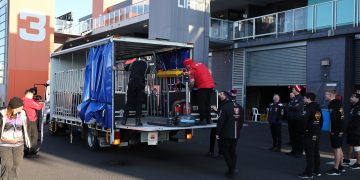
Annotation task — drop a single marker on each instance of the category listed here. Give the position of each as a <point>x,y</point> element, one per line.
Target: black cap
<point>15,102</point>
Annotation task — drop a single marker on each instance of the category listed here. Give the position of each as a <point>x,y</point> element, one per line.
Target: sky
<point>79,8</point>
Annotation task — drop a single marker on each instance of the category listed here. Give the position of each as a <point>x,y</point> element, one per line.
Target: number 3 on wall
<point>38,25</point>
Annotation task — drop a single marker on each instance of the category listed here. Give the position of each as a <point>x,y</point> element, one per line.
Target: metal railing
<point>327,15</point>
<point>221,29</point>
<point>134,10</point>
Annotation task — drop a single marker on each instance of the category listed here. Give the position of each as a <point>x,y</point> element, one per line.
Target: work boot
<point>123,122</point>
<point>138,122</point>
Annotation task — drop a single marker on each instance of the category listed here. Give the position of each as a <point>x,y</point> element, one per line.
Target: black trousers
<point>204,103</point>
<point>276,134</point>
<point>32,130</point>
<point>296,132</point>
<point>135,98</point>
<point>213,141</point>
<point>311,146</point>
<point>229,152</point>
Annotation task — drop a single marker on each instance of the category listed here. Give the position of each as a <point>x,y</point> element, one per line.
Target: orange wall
<point>31,40</point>
<point>100,6</point>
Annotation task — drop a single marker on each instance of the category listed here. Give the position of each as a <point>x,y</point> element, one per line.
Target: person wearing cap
<point>313,121</point>
<point>31,107</point>
<point>211,153</point>
<point>336,131</point>
<point>353,129</point>
<point>295,120</point>
<point>201,78</point>
<point>276,115</point>
<point>230,122</point>
<point>13,137</point>
<point>136,89</point>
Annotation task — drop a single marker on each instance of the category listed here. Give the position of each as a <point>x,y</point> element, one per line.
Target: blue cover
<point>97,93</point>
<point>173,59</point>
<point>326,120</point>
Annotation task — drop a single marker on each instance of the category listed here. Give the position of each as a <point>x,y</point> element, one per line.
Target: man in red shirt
<point>201,79</point>
<point>31,107</point>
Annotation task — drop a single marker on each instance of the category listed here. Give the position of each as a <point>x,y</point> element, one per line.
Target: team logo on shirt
<point>237,110</point>
<point>318,116</point>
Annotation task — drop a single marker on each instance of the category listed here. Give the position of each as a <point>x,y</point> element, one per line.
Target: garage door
<point>276,67</point>
<point>357,62</point>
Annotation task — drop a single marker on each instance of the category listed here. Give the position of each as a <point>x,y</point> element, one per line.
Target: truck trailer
<point>89,85</point>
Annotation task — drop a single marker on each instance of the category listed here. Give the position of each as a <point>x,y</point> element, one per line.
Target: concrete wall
<point>339,51</point>
<point>183,24</point>
<point>220,64</point>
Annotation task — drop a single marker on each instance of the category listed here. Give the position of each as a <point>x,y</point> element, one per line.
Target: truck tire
<point>93,141</point>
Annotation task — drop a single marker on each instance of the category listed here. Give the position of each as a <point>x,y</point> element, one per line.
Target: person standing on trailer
<point>136,89</point>
<point>230,122</point>
<point>313,121</point>
<point>276,114</point>
<point>336,131</point>
<point>201,78</point>
<point>296,123</point>
<point>31,108</point>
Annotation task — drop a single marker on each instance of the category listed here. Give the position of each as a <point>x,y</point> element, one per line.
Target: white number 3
<point>39,25</point>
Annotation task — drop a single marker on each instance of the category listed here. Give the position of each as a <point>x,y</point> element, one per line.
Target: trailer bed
<point>149,128</point>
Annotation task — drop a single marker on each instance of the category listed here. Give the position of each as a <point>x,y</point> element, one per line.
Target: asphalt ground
<point>60,159</point>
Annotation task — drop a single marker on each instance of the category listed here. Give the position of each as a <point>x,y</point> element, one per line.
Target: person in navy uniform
<point>336,131</point>
<point>275,116</point>
<point>312,122</point>
<point>353,130</point>
<point>295,120</point>
<point>231,119</point>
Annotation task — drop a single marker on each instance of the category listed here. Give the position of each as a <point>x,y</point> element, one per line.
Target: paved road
<point>61,160</point>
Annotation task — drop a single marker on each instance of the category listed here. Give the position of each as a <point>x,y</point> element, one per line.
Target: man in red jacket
<point>30,107</point>
<point>201,79</point>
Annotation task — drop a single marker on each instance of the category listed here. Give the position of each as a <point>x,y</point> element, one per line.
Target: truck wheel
<point>53,129</point>
<point>93,141</point>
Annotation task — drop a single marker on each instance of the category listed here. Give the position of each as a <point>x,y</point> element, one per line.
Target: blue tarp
<point>173,59</point>
<point>97,94</point>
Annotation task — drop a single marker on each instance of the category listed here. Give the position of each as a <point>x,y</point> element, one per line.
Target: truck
<point>89,86</point>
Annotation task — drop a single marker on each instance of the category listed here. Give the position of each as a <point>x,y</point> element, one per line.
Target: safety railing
<point>134,10</point>
<point>327,15</point>
<point>221,29</point>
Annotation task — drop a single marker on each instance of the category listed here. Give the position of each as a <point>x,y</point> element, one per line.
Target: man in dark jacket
<point>228,130</point>
<point>275,116</point>
<point>313,122</point>
<point>136,89</point>
<point>296,107</point>
<point>353,129</point>
<point>336,131</point>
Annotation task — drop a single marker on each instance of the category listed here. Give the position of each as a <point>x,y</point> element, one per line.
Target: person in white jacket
<point>13,137</point>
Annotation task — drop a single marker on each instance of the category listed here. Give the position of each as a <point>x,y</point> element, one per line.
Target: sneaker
<point>355,166</point>
<point>305,176</point>
<point>346,162</point>
<point>333,172</point>
<point>317,174</point>
<point>342,169</point>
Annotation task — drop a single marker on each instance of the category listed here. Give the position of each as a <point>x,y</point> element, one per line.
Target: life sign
<point>197,5</point>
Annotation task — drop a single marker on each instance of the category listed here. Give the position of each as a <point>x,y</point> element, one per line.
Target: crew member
<point>31,108</point>
<point>201,79</point>
<point>276,114</point>
<point>228,130</point>
<point>336,131</point>
<point>136,89</point>
<point>296,107</point>
<point>313,122</point>
<point>353,138</point>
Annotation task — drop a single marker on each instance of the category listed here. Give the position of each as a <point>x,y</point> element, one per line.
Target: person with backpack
<point>13,135</point>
